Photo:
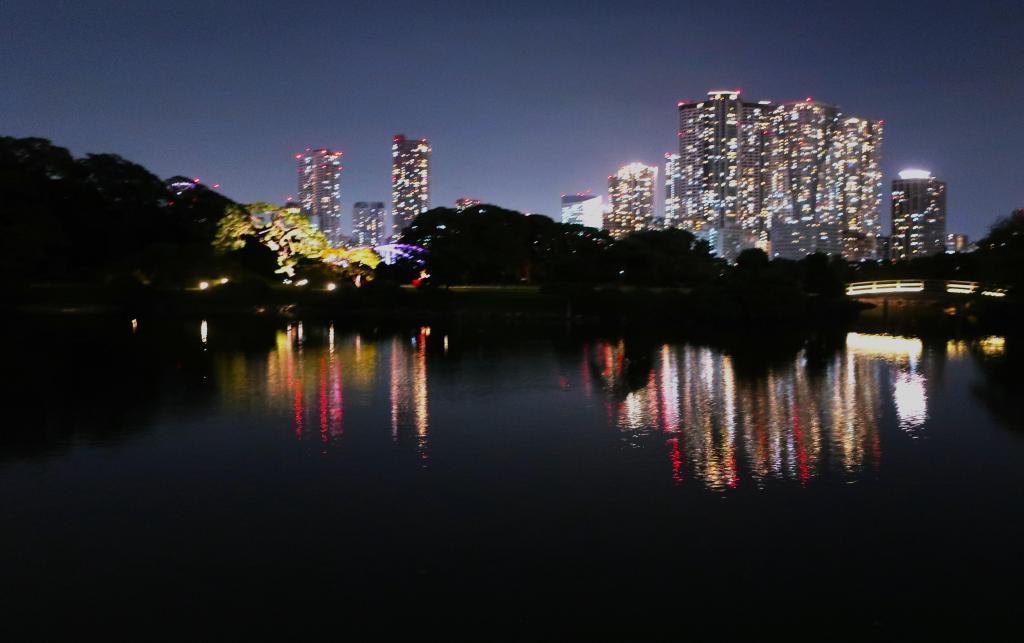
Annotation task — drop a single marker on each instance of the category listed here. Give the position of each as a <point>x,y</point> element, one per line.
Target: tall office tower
<point>673,185</point>
<point>918,215</point>
<point>410,180</point>
<point>723,162</point>
<point>855,185</point>
<point>464,203</point>
<point>631,195</point>
<point>583,209</point>
<point>320,191</point>
<point>368,223</point>
<point>802,221</point>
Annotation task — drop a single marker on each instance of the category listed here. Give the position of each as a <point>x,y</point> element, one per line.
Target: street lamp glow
<point>203,285</point>
<point>332,286</point>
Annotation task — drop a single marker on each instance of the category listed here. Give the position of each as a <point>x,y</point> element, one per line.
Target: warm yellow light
<point>224,280</point>
<point>883,344</point>
<point>203,285</point>
<point>302,282</point>
<point>992,345</point>
<point>332,286</point>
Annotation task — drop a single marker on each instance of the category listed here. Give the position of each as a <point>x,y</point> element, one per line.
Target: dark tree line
<point>101,219</point>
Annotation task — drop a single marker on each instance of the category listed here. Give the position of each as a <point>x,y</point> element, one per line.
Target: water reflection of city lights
<point>911,400</point>
<point>724,429</point>
<point>992,346</point>
<point>204,331</point>
<point>884,345</point>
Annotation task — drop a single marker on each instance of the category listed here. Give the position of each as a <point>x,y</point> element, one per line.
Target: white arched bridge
<point>924,288</point>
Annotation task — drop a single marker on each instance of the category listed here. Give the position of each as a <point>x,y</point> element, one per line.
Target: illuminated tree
<point>233,228</point>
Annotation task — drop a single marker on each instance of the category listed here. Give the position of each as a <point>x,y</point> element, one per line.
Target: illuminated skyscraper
<point>320,190</point>
<point>368,223</point>
<point>855,185</point>
<point>802,137</point>
<point>722,162</point>
<point>464,203</point>
<point>583,209</point>
<point>673,186</point>
<point>631,194</point>
<point>918,215</point>
<point>824,182</point>
<point>410,180</point>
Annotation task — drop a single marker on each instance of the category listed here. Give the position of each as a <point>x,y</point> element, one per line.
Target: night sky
<point>522,101</point>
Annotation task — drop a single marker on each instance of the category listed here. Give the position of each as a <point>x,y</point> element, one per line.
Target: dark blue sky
<point>522,100</point>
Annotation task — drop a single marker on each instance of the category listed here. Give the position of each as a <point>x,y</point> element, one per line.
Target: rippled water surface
<point>535,483</point>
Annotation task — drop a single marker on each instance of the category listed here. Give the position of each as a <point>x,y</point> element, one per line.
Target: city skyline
<point>545,129</point>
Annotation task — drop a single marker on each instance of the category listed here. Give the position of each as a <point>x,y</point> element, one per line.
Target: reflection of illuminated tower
<point>320,190</point>
<point>409,389</point>
<point>918,215</point>
<point>785,425</point>
<point>410,180</point>
<point>631,194</point>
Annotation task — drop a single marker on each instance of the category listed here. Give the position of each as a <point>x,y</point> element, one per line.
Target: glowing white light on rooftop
<point>915,174</point>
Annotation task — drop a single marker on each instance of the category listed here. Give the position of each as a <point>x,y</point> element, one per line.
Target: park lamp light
<point>203,285</point>
<point>302,282</point>
<point>331,286</point>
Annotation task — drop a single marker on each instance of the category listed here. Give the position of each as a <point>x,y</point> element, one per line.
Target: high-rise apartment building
<point>802,136</point>
<point>673,186</point>
<point>824,182</point>
<point>722,162</point>
<point>918,215</point>
<point>583,209</point>
<point>855,181</point>
<point>368,223</point>
<point>410,180</point>
<point>631,196</point>
<point>320,191</point>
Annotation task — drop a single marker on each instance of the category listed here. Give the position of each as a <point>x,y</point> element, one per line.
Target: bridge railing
<point>909,286</point>
<point>892,286</point>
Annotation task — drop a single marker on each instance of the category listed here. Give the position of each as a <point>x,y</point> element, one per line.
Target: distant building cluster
<point>319,173</point>
<point>791,178</point>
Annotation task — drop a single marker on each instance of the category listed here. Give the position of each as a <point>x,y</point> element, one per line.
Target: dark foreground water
<point>218,479</point>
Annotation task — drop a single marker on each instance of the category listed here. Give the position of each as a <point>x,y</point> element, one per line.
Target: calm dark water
<point>536,485</point>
